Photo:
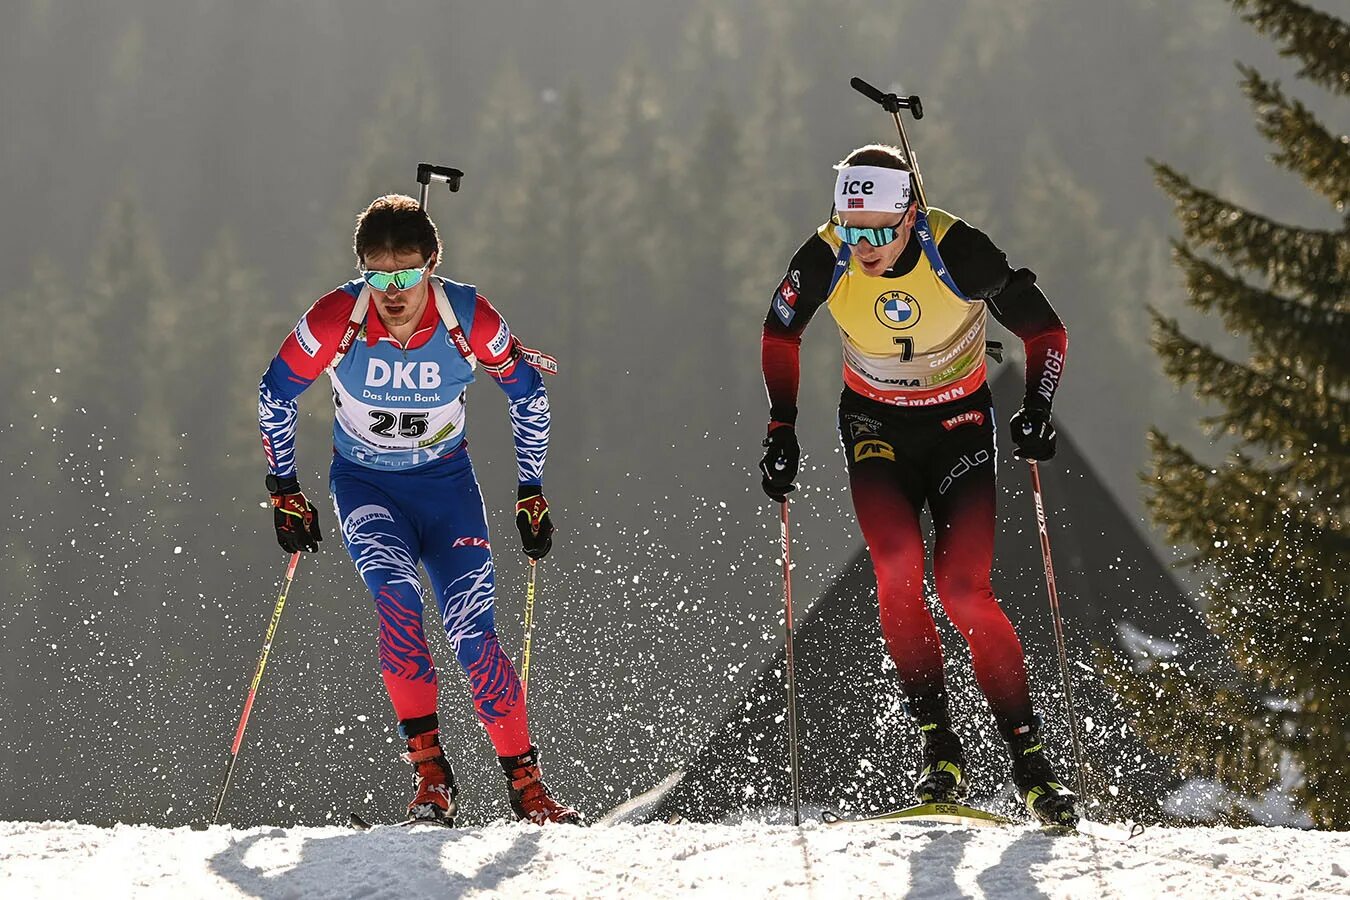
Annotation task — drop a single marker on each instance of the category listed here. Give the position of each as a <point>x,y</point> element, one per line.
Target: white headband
<point>871,189</point>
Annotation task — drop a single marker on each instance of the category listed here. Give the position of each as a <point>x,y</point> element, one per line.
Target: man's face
<point>876,260</point>
<point>398,308</point>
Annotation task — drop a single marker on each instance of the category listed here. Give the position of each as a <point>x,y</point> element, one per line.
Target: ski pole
<point>791,677</point>
<point>893,103</point>
<point>529,630</point>
<point>1044,530</point>
<point>257,679</point>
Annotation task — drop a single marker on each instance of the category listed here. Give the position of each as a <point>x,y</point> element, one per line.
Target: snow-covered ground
<point>42,860</point>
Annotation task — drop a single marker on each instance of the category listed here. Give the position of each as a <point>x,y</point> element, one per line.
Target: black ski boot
<point>940,778</point>
<point>1044,794</point>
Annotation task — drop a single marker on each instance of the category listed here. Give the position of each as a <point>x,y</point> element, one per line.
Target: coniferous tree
<point>132,311</point>
<point>407,115</point>
<point>634,282</point>
<point>234,349</point>
<point>1269,523</point>
<point>501,166</point>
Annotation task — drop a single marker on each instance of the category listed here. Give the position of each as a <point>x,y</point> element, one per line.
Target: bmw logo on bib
<point>898,310</point>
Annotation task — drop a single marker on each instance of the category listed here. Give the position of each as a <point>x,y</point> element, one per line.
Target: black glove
<point>295,518</point>
<point>1032,433</point>
<point>536,528</point>
<point>779,464</point>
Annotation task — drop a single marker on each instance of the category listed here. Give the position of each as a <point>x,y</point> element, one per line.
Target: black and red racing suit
<point>919,432</point>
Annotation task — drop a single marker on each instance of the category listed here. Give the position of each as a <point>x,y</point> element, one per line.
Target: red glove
<point>294,517</point>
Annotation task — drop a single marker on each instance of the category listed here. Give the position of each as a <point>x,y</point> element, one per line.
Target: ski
<point>360,823</point>
<point>946,813</point>
<point>1108,831</point>
<point>960,814</point>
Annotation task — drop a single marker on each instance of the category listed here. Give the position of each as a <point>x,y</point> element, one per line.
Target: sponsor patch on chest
<point>898,310</point>
<point>403,375</point>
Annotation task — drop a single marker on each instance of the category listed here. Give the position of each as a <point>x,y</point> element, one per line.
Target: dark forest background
<point>180,181</point>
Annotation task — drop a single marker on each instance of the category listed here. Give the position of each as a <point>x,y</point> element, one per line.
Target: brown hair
<point>883,156</point>
<point>395,223</point>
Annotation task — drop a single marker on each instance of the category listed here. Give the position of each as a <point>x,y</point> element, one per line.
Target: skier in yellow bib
<point>911,291</point>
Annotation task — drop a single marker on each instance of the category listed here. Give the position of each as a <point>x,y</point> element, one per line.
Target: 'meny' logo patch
<point>970,417</point>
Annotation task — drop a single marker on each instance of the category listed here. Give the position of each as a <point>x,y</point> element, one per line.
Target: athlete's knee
<point>466,602</point>
<point>899,572</point>
<point>492,678</point>
<point>963,587</point>
<point>974,610</point>
<point>402,644</point>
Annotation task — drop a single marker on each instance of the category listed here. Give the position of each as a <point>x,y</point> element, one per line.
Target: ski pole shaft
<point>791,674</point>
<point>529,629</point>
<point>1043,528</point>
<point>257,680</point>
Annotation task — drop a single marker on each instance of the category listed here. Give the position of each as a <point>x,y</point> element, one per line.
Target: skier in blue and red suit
<point>400,345</point>
<point>911,290</point>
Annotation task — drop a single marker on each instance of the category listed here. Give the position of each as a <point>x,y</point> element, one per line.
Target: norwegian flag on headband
<point>872,189</point>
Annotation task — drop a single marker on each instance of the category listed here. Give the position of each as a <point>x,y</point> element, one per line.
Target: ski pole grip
<point>889,102</point>
<point>867,90</point>
<point>427,173</point>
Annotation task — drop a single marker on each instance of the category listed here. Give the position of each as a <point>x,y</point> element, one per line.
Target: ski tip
<point>1124,831</point>
<point>356,821</point>
<point>830,817</point>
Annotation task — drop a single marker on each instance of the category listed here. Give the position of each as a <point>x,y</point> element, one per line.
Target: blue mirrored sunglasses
<point>402,279</point>
<point>875,236</point>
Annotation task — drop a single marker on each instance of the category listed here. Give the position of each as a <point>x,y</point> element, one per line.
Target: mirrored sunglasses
<point>851,235</point>
<point>402,279</point>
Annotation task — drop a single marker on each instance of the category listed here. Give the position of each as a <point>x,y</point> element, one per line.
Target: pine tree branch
<point>1240,739</point>
<point>1276,578</point>
<point>1319,40</point>
<point>1311,339</point>
<point>1296,260</point>
<point>1307,148</point>
<point>1211,730</point>
<point>1275,409</point>
<point>1248,526</point>
<point>1275,622</point>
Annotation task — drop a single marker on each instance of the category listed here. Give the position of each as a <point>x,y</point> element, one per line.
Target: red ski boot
<point>530,797</point>
<point>436,790</point>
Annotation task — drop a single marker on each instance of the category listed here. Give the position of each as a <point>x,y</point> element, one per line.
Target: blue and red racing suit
<point>403,486</point>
